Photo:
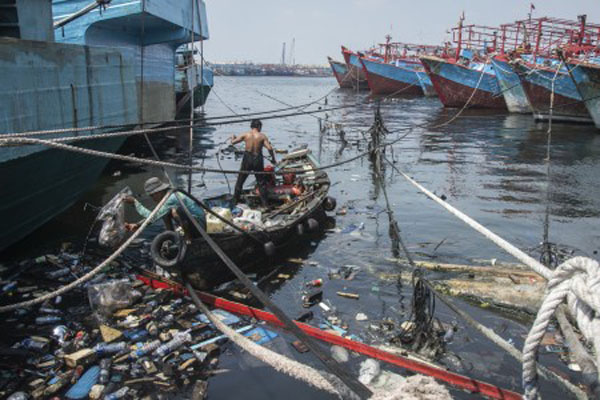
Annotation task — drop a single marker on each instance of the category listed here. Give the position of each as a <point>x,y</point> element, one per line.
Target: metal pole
<point>192,88</point>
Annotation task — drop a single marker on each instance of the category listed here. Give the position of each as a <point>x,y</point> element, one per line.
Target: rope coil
<point>578,281</point>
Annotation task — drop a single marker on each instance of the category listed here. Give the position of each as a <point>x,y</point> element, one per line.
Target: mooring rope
<point>580,309</point>
<point>93,272</point>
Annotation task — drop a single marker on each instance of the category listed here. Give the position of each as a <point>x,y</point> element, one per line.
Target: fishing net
<point>112,215</point>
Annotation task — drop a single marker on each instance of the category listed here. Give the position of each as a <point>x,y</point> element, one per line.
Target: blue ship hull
<point>587,80</point>
<point>458,85</point>
<point>356,72</point>
<point>541,84</point>
<point>340,71</point>
<point>106,71</point>
<point>512,90</point>
<point>390,79</point>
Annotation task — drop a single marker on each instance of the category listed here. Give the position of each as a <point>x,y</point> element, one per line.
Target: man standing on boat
<point>253,161</point>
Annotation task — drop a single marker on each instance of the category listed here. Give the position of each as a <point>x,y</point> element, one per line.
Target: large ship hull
<point>107,71</point>
<point>541,84</point>
<point>356,72</point>
<point>391,80</point>
<point>340,71</point>
<point>457,85</point>
<point>587,79</point>
<point>45,183</point>
<point>512,89</point>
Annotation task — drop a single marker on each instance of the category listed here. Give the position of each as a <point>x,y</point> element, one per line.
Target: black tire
<point>157,249</point>
<point>330,203</point>
<point>312,225</point>
<point>300,229</point>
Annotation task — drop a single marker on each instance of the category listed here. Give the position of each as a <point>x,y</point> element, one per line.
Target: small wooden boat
<point>298,200</point>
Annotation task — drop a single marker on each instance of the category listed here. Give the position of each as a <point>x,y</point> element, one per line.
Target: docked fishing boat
<point>395,69</point>
<point>459,83</point>
<point>356,72</point>
<point>395,78</point>
<point>298,199</point>
<point>586,76</point>
<point>340,71</point>
<point>467,78</point>
<point>548,86</point>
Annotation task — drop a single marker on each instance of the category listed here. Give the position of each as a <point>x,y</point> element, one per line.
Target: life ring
<point>330,203</point>
<point>167,249</point>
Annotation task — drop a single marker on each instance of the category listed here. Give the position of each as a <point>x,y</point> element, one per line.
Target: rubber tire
<point>269,248</point>
<point>312,225</point>
<point>300,229</point>
<point>155,249</point>
<point>330,203</point>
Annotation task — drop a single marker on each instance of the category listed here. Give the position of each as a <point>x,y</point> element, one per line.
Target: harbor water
<point>490,165</point>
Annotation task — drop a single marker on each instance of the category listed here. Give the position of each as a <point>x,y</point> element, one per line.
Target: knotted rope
<point>577,280</point>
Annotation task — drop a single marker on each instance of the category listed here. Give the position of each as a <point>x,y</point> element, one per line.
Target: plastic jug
<point>214,224</point>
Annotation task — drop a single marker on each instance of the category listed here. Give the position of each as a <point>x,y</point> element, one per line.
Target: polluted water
<point>118,338</point>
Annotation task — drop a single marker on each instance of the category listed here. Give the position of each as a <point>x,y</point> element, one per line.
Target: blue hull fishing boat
<point>510,84</point>
<point>394,78</point>
<point>457,84</point>
<point>586,76</point>
<point>542,82</point>
<point>110,66</point>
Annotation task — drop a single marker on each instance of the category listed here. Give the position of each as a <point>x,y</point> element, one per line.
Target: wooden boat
<point>295,210</point>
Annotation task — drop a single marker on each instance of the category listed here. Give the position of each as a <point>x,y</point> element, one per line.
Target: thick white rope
<point>279,362</point>
<point>577,280</point>
<point>322,380</point>
<point>583,305</point>
<point>535,265</point>
<point>94,271</point>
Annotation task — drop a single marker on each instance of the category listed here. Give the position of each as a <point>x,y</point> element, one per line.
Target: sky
<point>254,30</point>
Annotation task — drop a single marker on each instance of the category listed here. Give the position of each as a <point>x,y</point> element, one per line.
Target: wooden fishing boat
<point>298,199</point>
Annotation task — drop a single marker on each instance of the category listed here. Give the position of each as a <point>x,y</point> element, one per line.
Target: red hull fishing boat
<point>340,71</point>
<point>467,79</point>
<point>356,72</point>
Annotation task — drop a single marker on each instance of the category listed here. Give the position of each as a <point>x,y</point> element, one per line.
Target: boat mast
<point>460,25</point>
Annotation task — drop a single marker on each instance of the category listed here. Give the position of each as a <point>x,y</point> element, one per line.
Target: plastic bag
<point>113,230</point>
<point>108,297</point>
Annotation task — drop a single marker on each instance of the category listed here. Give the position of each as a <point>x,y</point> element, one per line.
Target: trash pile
<point>112,338</point>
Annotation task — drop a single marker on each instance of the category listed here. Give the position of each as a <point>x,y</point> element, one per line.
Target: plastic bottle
<point>138,335</point>
<point>152,328</point>
<point>31,344</point>
<point>315,283</point>
<point>119,394</point>
<point>178,340</point>
<point>9,287</point>
<point>58,273</point>
<point>104,370</point>
<point>49,319</point>
<point>107,348</point>
<point>145,349</point>
<point>18,396</point>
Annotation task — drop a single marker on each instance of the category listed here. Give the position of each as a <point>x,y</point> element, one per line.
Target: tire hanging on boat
<point>160,249</point>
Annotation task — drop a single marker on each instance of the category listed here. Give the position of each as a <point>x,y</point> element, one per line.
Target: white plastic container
<point>253,216</point>
<point>214,224</point>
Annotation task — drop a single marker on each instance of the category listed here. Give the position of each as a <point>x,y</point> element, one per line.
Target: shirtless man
<point>253,159</point>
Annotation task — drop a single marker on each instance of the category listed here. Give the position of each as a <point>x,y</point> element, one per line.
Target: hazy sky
<point>255,29</point>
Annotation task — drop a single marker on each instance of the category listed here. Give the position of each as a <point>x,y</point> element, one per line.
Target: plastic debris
<point>340,354</point>
<point>369,369</point>
<point>112,214</point>
<point>361,317</point>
